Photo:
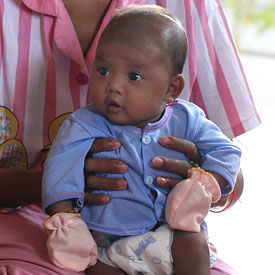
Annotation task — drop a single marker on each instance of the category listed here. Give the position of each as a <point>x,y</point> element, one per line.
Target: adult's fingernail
<point>105,199</point>
<point>165,140</point>
<point>122,167</point>
<point>121,184</point>
<point>157,161</point>
<point>161,181</point>
<point>114,144</point>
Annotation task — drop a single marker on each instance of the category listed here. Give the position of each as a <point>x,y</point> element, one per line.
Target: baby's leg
<point>101,268</point>
<point>190,253</point>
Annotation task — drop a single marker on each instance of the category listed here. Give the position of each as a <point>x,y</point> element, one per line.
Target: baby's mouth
<point>113,106</point>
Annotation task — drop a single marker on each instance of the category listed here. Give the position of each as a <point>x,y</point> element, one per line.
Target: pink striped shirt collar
<point>64,35</point>
<point>51,7</point>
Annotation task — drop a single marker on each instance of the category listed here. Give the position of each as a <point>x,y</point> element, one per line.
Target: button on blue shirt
<point>142,205</point>
<point>149,180</point>
<point>146,139</point>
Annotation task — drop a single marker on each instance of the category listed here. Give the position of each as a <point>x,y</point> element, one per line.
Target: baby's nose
<point>116,84</point>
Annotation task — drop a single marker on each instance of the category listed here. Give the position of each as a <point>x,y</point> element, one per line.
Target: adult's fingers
<point>104,144</point>
<point>176,166</point>
<point>109,166</point>
<point>93,165</point>
<point>97,199</point>
<point>181,145</point>
<point>109,184</point>
<point>103,184</point>
<point>167,182</point>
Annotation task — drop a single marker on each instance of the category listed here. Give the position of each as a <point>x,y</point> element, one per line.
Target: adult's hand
<point>176,166</point>
<point>181,167</point>
<point>111,166</point>
<point>93,165</point>
<point>162,163</point>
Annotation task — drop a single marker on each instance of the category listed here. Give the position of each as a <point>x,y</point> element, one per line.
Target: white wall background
<point>245,235</point>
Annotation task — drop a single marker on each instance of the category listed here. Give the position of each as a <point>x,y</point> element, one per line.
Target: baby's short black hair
<point>140,21</point>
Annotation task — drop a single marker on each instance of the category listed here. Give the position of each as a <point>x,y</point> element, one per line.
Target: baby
<point>136,79</point>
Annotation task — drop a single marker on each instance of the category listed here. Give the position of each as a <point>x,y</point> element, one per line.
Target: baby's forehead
<point>140,49</point>
<point>131,51</point>
<point>135,32</point>
<point>140,22</point>
<point>137,38</point>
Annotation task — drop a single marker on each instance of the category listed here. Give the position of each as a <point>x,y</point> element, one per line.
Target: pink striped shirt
<point>44,75</point>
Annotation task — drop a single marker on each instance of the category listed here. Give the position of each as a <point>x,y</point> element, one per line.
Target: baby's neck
<point>143,125</point>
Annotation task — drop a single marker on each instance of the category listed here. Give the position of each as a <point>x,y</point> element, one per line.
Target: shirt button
<point>159,213</point>
<point>146,139</point>
<point>149,180</point>
<point>82,79</point>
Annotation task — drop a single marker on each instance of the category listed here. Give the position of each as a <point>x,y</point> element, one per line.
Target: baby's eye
<point>103,71</point>
<point>135,76</point>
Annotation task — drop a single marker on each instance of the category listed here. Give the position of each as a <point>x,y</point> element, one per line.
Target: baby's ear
<point>175,88</point>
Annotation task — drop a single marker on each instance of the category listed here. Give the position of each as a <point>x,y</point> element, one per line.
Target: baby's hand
<point>189,201</point>
<point>70,243</point>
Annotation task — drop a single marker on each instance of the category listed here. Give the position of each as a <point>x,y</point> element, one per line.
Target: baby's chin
<point>118,120</point>
<point>123,121</point>
<point>122,118</point>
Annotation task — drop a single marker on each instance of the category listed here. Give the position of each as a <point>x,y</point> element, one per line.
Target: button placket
<point>146,139</point>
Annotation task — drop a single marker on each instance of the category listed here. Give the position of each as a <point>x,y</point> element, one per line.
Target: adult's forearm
<point>19,187</point>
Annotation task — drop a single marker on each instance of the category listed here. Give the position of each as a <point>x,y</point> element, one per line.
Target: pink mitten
<point>70,243</point>
<point>190,200</point>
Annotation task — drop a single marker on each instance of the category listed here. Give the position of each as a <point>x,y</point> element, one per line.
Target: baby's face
<point>130,82</point>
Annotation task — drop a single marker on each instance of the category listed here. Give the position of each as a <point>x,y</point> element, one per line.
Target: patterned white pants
<point>147,254</point>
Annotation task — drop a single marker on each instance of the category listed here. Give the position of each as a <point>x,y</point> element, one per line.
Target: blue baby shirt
<point>141,206</point>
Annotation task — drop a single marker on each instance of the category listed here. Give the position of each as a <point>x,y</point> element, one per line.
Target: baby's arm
<point>220,180</point>
<point>70,244</point>
<point>60,207</point>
